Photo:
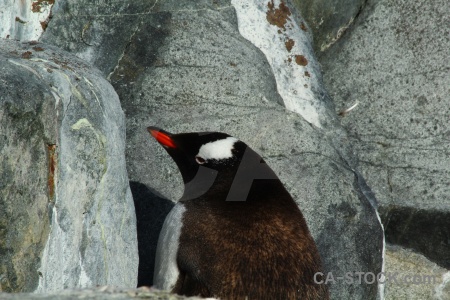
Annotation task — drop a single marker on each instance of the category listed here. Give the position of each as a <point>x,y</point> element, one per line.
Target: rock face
<point>183,66</point>
<point>329,19</point>
<point>100,293</point>
<point>27,120</point>
<point>281,34</point>
<point>97,33</point>
<point>414,276</point>
<point>395,65</point>
<point>67,213</point>
<point>24,20</point>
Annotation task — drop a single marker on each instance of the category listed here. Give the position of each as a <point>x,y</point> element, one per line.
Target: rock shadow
<point>151,210</point>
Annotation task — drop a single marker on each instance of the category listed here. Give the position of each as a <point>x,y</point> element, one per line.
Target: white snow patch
<point>296,70</point>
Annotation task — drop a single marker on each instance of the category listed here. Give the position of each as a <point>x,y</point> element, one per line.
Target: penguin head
<point>214,150</point>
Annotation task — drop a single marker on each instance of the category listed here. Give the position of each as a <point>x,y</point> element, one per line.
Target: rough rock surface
<point>414,277</point>
<point>26,121</point>
<point>329,19</point>
<point>100,293</point>
<point>97,33</point>
<point>183,66</point>
<point>67,213</point>
<point>24,20</point>
<point>281,35</point>
<point>395,63</point>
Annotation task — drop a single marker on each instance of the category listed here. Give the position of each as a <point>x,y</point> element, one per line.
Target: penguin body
<point>254,244</point>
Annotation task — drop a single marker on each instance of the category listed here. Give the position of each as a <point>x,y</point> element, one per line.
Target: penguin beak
<point>163,137</point>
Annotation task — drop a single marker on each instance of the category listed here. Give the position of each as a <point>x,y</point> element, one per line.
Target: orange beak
<point>162,137</point>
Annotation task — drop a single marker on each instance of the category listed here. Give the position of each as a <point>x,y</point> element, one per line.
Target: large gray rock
<point>93,32</point>
<point>99,293</point>
<point>67,213</point>
<point>329,19</point>
<point>395,63</point>
<point>183,66</point>
<point>24,20</point>
<point>26,121</point>
<point>414,277</point>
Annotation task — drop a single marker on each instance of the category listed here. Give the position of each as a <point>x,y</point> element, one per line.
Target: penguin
<point>236,232</point>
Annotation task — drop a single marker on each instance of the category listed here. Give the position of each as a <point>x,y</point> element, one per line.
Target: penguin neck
<point>232,184</point>
<point>207,181</point>
<point>222,183</point>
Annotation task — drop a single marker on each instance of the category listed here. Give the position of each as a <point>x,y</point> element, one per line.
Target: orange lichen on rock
<point>27,55</point>
<point>51,170</point>
<point>289,44</point>
<point>301,60</point>
<point>278,16</point>
<point>44,24</point>
<point>303,26</point>
<point>37,5</point>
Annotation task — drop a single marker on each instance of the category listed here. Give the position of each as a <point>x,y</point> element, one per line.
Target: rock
<point>183,66</point>
<point>100,293</point>
<point>412,276</point>
<point>279,33</point>
<point>151,211</point>
<point>24,20</point>
<point>393,66</point>
<point>422,230</point>
<point>329,20</point>
<point>27,119</point>
<point>97,33</point>
<point>68,218</point>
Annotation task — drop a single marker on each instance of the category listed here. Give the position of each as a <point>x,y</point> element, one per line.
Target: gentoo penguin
<point>236,233</point>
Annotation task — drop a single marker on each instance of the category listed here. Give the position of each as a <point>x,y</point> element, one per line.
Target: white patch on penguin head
<point>220,149</point>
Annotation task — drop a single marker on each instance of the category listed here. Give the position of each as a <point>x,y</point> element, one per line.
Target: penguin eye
<point>200,160</point>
